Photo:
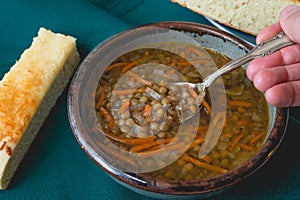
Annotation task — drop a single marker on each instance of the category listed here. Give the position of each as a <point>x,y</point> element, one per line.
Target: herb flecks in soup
<point>140,111</point>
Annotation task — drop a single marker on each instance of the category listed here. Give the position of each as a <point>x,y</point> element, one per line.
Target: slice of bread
<point>249,16</point>
<point>28,92</point>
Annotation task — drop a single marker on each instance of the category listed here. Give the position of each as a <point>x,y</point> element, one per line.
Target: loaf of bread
<point>28,92</point>
<point>250,16</point>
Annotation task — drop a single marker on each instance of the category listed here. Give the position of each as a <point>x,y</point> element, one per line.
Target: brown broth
<point>153,105</point>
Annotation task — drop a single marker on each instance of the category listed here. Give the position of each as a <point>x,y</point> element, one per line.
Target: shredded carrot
<point>227,135</point>
<point>108,117</point>
<point>240,103</point>
<point>129,141</point>
<point>193,92</point>
<point>202,128</point>
<point>246,147</point>
<point>236,140</point>
<point>194,129</point>
<point>195,95</point>
<point>126,92</point>
<point>147,110</point>
<point>101,98</point>
<point>152,151</point>
<point>206,159</point>
<point>139,79</point>
<point>129,66</point>
<point>122,92</point>
<point>173,64</point>
<point>124,106</point>
<point>241,109</point>
<point>115,65</point>
<point>204,165</point>
<point>207,107</point>
<point>257,138</point>
<point>196,142</point>
<point>217,119</point>
<point>242,123</point>
<point>144,146</point>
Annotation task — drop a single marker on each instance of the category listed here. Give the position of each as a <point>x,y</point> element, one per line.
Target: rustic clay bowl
<point>82,114</point>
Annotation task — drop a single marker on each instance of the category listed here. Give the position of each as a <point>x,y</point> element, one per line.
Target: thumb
<point>290,22</point>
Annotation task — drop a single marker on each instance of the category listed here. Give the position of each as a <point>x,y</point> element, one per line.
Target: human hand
<point>278,75</point>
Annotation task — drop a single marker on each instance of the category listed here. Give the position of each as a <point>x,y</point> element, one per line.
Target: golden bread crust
<point>25,88</point>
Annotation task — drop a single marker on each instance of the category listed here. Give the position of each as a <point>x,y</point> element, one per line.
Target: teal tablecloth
<point>56,167</point>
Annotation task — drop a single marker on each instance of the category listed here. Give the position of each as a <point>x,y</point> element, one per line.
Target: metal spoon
<point>263,49</point>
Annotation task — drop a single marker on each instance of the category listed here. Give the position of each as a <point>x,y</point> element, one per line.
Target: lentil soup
<point>147,117</point>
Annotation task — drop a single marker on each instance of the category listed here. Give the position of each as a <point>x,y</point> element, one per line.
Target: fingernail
<point>288,11</point>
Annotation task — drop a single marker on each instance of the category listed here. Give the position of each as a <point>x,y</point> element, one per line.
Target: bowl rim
<point>193,187</point>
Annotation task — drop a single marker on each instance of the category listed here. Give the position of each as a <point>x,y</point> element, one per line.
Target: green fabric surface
<point>55,166</point>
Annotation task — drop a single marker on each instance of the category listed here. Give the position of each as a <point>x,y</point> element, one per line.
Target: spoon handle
<point>265,48</point>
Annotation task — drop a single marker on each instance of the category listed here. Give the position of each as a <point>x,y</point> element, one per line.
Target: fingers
<point>278,75</point>
<point>289,21</point>
<point>284,94</point>
<point>270,77</point>
<point>268,32</point>
<point>286,56</point>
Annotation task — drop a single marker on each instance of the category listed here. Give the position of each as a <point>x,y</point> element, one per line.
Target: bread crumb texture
<point>25,86</point>
<point>250,16</point>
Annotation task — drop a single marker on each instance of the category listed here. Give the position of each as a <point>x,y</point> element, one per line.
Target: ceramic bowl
<point>82,115</point>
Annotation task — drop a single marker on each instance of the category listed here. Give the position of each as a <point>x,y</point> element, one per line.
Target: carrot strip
<point>242,123</point>
<point>196,142</point>
<point>193,92</point>
<point>206,159</point>
<point>101,98</point>
<point>240,103</point>
<point>124,106</point>
<point>144,146</point>
<point>129,141</point>
<point>227,135</point>
<point>152,151</point>
<point>139,79</point>
<point>198,129</point>
<point>236,140</point>
<point>126,92</point>
<point>195,95</point>
<point>129,66</point>
<point>115,65</point>
<point>147,110</point>
<point>246,147</point>
<point>122,92</point>
<point>205,104</point>
<point>108,117</point>
<point>204,165</point>
<point>256,138</point>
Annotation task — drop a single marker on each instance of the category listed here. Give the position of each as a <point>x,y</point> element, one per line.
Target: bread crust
<point>249,16</point>
<point>28,92</point>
